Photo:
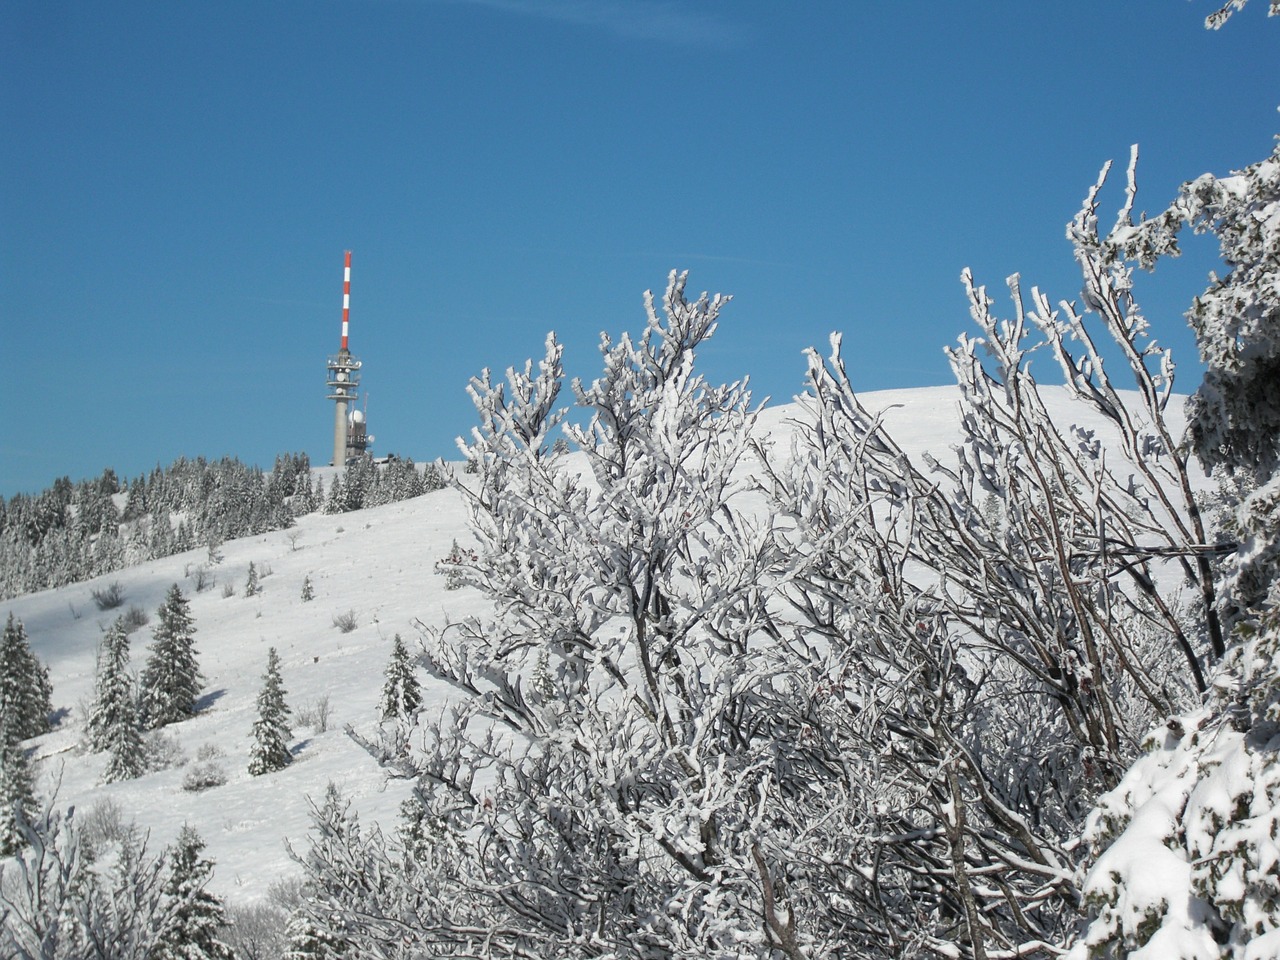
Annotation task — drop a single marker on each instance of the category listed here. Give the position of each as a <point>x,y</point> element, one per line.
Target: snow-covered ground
<point>377,563</point>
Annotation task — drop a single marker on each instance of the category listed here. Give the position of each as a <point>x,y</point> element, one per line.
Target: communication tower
<point>350,436</point>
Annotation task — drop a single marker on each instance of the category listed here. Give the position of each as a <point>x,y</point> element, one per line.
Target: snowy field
<point>377,564</point>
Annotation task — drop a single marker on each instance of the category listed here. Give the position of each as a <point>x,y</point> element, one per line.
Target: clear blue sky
<point>178,182</point>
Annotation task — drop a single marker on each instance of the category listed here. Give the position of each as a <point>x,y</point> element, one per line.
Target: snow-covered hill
<point>377,564</point>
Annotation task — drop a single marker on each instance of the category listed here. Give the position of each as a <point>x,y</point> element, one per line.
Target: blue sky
<point>178,182</point>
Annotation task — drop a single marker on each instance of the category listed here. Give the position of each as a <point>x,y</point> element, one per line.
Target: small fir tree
<point>113,724</point>
<point>17,797</point>
<point>308,593</point>
<point>198,915</point>
<point>401,695</point>
<point>451,566</point>
<point>251,587</point>
<point>25,692</point>
<point>171,680</point>
<point>271,730</point>
<point>308,941</point>
<point>336,501</point>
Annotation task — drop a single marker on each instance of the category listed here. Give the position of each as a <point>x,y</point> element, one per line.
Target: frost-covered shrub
<point>163,751</point>
<point>109,597</point>
<point>315,714</point>
<point>255,931</point>
<point>134,619</point>
<point>104,824</point>
<point>201,578</point>
<point>346,622</point>
<point>207,771</point>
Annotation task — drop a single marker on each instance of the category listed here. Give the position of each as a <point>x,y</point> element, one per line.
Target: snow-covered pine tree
<point>454,566</point>
<point>309,941</point>
<point>336,500</point>
<point>25,691</point>
<point>17,796</point>
<point>113,723</point>
<point>401,695</point>
<point>196,915</point>
<point>251,587</point>
<point>171,680</point>
<point>271,731</point>
<point>308,591</point>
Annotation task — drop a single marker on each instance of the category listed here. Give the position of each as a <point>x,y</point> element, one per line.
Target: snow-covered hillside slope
<point>377,564</point>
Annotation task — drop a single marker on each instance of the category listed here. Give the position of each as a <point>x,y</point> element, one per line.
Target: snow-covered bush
<point>614,806</point>
<point>135,618</point>
<point>109,597</point>
<point>65,898</point>
<point>255,931</point>
<point>163,751</point>
<point>207,772</point>
<point>315,714</point>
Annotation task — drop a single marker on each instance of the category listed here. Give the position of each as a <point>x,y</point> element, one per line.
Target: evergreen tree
<point>309,941</point>
<point>171,680</point>
<point>17,798</point>
<point>197,914</point>
<point>271,730</point>
<point>336,501</point>
<point>113,723</point>
<point>308,593</point>
<point>251,587</point>
<point>25,691</point>
<point>401,695</point>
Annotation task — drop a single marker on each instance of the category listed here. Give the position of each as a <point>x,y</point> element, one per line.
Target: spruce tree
<point>172,681</point>
<point>308,941</point>
<point>198,915</point>
<point>401,695</point>
<point>113,723</point>
<point>17,798</point>
<point>251,587</point>
<point>25,692</point>
<point>308,592</point>
<point>336,501</point>
<point>271,730</point>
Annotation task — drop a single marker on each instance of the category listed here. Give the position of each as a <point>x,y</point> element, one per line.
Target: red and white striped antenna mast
<point>344,382</point>
<point>346,298</point>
